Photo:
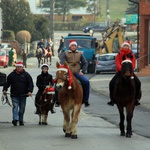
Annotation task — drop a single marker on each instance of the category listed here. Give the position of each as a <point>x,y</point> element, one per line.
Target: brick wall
<point>144,12</point>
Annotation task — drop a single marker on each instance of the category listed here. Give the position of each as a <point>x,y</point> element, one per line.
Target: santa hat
<point>126,43</point>
<point>72,42</point>
<point>45,65</point>
<point>66,68</point>
<point>19,64</point>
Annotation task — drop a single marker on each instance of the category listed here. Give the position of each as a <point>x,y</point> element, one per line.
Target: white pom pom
<point>69,87</point>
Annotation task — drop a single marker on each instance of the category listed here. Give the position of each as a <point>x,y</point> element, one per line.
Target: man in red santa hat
<point>125,53</point>
<point>78,66</point>
<point>21,86</point>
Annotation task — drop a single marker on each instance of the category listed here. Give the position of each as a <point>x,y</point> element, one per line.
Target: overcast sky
<point>33,8</point>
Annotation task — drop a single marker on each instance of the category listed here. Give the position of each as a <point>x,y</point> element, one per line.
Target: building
<point>144,34</point>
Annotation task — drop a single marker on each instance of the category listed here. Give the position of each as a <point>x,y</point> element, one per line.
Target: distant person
<point>41,45</point>
<point>11,53</point>
<point>24,58</point>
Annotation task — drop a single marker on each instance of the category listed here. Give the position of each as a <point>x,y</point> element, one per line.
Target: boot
<point>52,109</point>
<point>14,122</point>
<point>57,104</point>
<point>86,103</point>
<point>111,103</point>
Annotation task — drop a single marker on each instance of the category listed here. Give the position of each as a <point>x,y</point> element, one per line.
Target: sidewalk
<point>100,84</point>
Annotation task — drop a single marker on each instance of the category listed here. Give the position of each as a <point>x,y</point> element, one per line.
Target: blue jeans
<point>19,104</point>
<point>86,85</point>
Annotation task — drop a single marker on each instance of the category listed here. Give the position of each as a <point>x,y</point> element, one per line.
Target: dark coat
<point>20,84</point>
<point>43,80</point>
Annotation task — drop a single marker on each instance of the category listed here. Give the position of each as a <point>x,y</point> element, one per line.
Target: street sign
<point>132,19</point>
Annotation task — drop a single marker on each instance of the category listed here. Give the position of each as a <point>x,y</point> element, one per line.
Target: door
<point>149,44</point>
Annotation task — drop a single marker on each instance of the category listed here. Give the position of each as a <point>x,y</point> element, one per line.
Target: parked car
<point>134,50</point>
<point>96,27</point>
<point>105,62</point>
<point>6,45</point>
<point>3,58</point>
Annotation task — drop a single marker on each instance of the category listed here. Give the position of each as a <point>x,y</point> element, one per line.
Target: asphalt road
<point>94,131</point>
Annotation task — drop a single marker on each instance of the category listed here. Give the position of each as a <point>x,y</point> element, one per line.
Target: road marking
<point>107,79</point>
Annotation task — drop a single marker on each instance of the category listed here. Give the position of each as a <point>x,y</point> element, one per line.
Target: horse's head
<point>63,76</point>
<point>48,93</point>
<point>126,69</point>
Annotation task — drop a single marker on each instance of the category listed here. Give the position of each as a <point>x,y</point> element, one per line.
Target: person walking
<point>21,86</point>
<point>11,53</point>
<point>24,58</point>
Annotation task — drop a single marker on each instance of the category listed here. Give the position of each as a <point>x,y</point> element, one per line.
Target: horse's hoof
<point>128,135</point>
<point>44,123</point>
<point>122,133</point>
<point>68,135</point>
<point>40,123</point>
<point>74,136</point>
<point>64,130</point>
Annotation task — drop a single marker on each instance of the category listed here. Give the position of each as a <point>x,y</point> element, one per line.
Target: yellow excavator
<point>112,39</point>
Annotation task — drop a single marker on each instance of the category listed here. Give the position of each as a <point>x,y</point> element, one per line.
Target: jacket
<point>122,55</point>
<point>43,80</point>
<point>20,83</point>
<point>75,60</point>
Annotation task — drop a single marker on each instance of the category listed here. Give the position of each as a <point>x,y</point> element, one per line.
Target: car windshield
<point>2,53</point>
<point>82,43</point>
<point>106,58</point>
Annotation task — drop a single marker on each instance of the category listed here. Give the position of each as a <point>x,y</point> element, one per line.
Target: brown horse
<point>46,104</point>
<point>124,95</point>
<point>70,96</point>
<point>49,54</point>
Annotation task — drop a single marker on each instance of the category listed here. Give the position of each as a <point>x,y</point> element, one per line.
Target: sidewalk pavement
<point>100,84</point>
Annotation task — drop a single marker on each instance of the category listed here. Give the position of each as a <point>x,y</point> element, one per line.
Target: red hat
<point>126,43</point>
<point>19,64</point>
<point>72,42</point>
<point>66,68</point>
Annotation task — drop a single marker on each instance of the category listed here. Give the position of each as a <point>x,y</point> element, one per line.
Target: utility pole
<point>107,13</point>
<point>52,20</point>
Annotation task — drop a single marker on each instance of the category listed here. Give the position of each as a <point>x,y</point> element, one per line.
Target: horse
<point>49,54</point>
<point>124,95</point>
<point>70,95</point>
<point>46,104</point>
<point>39,55</point>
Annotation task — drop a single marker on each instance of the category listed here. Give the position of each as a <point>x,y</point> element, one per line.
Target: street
<point>94,131</point>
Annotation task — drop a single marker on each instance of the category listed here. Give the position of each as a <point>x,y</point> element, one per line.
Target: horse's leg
<point>38,62</point>
<point>40,121</point>
<point>66,125</point>
<point>50,59</point>
<point>75,116</point>
<point>129,110</point>
<point>122,117</point>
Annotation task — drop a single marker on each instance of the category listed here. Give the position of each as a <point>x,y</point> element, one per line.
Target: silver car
<point>105,62</point>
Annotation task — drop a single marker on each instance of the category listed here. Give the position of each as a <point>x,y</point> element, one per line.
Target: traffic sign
<point>132,19</point>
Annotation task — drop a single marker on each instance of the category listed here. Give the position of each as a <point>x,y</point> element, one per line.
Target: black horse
<point>124,94</point>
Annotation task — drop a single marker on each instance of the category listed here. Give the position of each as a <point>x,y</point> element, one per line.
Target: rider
<point>125,52</point>
<point>42,81</point>
<point>41,45</point>
<point>78,66</point>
